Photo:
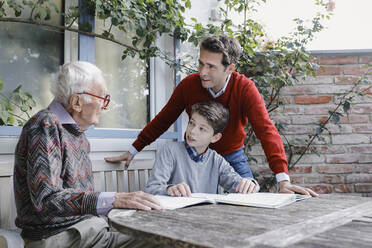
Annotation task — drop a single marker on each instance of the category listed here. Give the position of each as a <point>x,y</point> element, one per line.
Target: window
<point>126,82</point>
<point>29,55</point>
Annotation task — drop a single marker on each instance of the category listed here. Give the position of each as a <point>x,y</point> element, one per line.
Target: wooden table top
<point>327,221</point>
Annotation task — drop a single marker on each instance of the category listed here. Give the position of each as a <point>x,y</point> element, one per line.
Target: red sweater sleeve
<point>264,129</point>
<point>164,119</point>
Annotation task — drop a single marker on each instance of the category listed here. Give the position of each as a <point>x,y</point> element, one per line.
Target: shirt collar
<point>215,95</point>
<point>62,115</point>
<point>193,154</point>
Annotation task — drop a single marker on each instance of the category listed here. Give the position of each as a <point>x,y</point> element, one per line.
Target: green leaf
<point>16,90</point>
<point>346,106</point>
<point>1,84</point>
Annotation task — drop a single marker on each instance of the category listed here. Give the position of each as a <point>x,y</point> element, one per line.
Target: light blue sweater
<point>173,165</point>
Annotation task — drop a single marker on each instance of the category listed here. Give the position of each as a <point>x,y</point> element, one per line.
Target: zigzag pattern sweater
<point>53,182</point>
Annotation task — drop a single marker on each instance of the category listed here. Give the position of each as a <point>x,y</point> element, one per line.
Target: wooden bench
<point>107,177</point>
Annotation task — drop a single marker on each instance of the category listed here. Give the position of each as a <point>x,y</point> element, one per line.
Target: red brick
<point>297,179</point>
<point>342,159</point>
<point>361,149</point>
<point>335,169</point>
<point>321,189</point>
<point>332,179</point>
<point>359,178</point>
<point>363,168</point>
<point>352,119</point>
<point>312,99</point>
<point>290,110</point>
<point>329,70</point>
<point>301,169</point>
<point>299,90</point>
<point>331,149</point>
<point>365,59</point>
<point>320,110</point>
<point>329,179</point>
<point>312,179</point>
<point>363,187</point>
<point>366,109</point>
<point>337,60</point>
<point>347,80</point>
<point>343,188</point>
<point>299,129</point>
<point>365,158</point>
<point>355,70</point>
<point>366,128</point>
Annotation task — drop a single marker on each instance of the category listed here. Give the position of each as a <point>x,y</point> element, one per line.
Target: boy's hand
<point>181,189</point>
<point>247,186</point>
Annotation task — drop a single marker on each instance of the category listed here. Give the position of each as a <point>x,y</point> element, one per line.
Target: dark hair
<point>228,46</point>
<point>215,113</point>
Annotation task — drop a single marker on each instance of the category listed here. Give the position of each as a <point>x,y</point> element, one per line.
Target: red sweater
<point>245,104</point>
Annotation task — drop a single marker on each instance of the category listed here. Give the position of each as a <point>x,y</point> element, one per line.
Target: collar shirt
<point>215,95</point>
<point>193,154</point>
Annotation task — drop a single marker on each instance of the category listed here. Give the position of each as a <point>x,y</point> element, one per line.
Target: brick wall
<point>344,163</point>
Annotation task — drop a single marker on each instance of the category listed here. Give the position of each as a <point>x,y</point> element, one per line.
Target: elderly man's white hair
<point>75,77</point>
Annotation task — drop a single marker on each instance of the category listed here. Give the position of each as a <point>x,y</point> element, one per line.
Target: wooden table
<point>327,221</point>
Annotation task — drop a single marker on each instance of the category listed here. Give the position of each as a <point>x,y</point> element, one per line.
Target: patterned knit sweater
<point>53,182</point>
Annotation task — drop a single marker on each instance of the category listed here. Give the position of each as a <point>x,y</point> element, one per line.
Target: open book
<point>261,200</point>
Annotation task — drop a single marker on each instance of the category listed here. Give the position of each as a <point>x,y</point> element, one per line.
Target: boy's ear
<point>75,102</point>
<point>216,137</point>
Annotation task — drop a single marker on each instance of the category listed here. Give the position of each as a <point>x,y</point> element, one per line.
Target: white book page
<point>171,203</point>
<point>265,200</point>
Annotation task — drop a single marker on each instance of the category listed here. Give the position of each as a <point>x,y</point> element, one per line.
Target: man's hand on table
<point>136,200</point>
<point>287,187</point>
<point>126,156</point>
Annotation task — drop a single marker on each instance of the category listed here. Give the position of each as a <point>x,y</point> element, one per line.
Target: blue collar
<point>193,154</point>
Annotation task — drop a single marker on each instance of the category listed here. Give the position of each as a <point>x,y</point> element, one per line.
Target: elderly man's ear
<point>75,103</point>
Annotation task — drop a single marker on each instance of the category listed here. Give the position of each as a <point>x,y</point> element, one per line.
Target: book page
<point>171,203</point>
<point>264,200</point>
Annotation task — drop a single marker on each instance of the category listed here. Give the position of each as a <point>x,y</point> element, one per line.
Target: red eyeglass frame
<point>106,99</point>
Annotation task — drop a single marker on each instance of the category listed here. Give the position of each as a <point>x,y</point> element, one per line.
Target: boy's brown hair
<point>216,114</point>
<point>228,46</point>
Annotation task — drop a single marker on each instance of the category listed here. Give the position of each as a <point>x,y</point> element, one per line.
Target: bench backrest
<point>107,177</point>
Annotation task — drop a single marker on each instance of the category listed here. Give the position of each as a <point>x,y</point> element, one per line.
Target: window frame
<point>86,53</point>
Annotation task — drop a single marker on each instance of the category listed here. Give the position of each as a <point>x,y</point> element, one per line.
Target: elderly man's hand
<point>287,187</point>
<point>126,156</point>
<point>136,200</point>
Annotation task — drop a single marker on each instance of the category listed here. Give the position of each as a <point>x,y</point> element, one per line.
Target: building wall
<point>344,160</point>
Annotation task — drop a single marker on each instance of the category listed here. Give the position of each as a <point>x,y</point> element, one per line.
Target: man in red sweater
<point>217,80</point>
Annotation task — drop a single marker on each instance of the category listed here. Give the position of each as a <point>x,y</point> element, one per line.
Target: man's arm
<point>162,121</point>
<point>271,141</point>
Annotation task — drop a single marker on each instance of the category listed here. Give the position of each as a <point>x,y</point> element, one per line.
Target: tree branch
<point>27,21</point>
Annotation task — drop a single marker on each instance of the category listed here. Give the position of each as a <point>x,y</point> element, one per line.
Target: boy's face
<point>199,133</point>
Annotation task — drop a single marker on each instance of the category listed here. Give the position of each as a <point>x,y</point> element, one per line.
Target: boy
<point>182,168</point>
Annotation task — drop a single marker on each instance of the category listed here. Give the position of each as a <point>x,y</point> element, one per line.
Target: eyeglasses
<point>106,99</point>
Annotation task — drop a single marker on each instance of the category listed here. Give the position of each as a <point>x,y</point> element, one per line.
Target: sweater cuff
<point>282,177</point>
<point>133,150</point>
<point>89,204</point>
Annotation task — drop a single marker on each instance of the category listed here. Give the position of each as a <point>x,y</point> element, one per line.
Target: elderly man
<point>53,183</point>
